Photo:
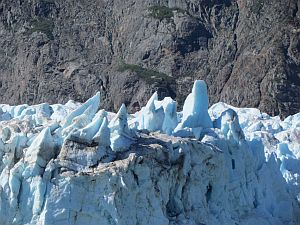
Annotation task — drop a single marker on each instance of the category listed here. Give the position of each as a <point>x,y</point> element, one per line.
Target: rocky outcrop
<point>247,51</point>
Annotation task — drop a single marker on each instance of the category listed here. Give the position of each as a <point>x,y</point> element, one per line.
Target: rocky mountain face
<point>246,50</point>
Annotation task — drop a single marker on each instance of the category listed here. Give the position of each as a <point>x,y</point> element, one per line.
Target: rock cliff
<point>246,50</point>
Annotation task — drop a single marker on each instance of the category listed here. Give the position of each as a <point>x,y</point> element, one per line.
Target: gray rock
<point>246,51</point>
<point>85,155</point>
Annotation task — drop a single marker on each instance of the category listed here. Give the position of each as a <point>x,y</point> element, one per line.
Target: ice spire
<point>151,119</point>
<point>93,103</point>
<point>170,119</point>
<point>122,136</point>
<point>87,133</point>
<point>103,135</point>
<point>195,110</point>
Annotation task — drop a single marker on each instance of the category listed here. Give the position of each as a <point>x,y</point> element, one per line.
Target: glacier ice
<point>195,112</point>
<point>170,116</point>
<point>89,108</point>
<point>4,115</point>
<point>102,137</point>
<point>87,133</point>
<point>121,135</point>
<point>158,115</point>
<point>151,118</point>
<point>75,164</point>
<point>195,107</point>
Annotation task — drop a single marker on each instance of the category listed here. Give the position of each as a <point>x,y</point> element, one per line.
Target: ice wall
<point>76,164</point>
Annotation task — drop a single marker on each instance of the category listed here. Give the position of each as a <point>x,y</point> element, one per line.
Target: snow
<point>75,164</point>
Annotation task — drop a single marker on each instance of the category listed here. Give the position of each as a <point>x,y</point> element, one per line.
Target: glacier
<point>77,164</point>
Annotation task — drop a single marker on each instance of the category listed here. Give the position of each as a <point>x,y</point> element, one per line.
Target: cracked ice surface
<point>78,164</point>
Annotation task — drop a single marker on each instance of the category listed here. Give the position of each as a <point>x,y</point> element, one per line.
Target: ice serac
<point>93,103</point>
<point>102,137</point>
<point>229,125</point>
<point>195,108</point>
<point>170,115</point>
<point>150,118</point>
<point>195,115</point>
<point>82,123</point>
<point>121,136</point>
<point>39,153</point>
<point>87,133</point>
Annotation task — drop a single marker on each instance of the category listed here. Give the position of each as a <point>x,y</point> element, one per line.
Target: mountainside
<point>247,51</point>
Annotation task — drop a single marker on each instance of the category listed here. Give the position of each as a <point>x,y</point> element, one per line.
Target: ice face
<point>72,164</point>
<point>278,139</point>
